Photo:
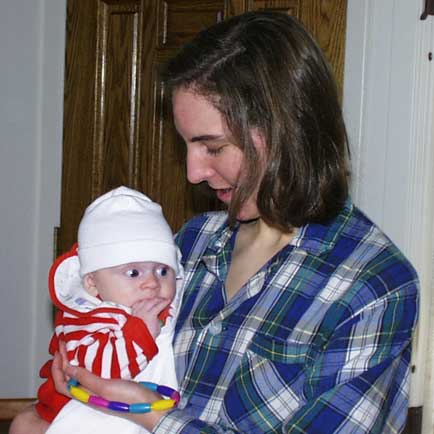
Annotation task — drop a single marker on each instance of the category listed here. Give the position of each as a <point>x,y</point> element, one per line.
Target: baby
<point>118,294</point>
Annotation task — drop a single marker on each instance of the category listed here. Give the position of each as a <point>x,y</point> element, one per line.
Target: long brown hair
<point>264,72</point>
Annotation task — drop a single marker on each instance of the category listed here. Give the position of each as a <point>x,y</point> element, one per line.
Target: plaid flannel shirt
<point>318,341</point>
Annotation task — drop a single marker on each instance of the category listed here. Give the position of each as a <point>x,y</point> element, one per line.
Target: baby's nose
<point>150,282</point>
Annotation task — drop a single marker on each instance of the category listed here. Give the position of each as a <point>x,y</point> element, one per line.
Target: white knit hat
<point>124,226</point>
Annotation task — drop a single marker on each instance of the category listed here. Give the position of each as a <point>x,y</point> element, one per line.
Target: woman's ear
<point>90,285</point>
<point>258,138</point>
<point>260,145</point>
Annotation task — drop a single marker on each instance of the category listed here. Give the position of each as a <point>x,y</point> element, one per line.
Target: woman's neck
<point>259,233</point>
<point>256,243</point>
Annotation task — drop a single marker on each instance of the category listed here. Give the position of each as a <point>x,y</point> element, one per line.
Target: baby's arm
<point>28,421</point>
<point>111,343</point>
<point>148,311</point>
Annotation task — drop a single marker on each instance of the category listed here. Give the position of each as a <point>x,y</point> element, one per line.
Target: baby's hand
<point>148,311</point>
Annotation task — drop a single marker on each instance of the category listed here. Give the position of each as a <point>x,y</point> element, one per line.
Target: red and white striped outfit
<point>107,341</point>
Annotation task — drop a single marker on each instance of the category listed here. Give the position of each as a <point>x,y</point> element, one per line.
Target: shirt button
<point>215,328</point>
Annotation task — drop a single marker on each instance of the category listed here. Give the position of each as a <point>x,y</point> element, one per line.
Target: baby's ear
<point>89,284</point>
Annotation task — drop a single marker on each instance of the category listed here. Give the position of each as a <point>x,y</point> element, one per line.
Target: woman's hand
<point>58,367</point>
<point>109,389</point>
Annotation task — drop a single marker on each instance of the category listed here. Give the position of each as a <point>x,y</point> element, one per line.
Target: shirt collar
<point>314,238</point>
<point>317,238</point>
<point>220,238</point>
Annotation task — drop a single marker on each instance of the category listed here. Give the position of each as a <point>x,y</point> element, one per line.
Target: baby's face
<point>129,283</point>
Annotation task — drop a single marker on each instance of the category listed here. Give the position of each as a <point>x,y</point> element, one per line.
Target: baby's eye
<point>132,273</point>
<point>163,271</point>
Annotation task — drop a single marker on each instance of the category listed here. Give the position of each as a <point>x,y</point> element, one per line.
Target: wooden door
<point>117,129</point>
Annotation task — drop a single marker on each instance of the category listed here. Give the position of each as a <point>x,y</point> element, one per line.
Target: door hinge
<point>56,231</point>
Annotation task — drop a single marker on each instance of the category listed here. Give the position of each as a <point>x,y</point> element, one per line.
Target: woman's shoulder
<point>195,233</point>
<point>208,221</point>
<point>352,241</point>
<point>373,256</point>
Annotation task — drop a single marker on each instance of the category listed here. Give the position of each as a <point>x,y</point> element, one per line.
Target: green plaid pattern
<point>318,341</point>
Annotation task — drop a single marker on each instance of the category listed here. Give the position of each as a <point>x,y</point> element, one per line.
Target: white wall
<point>388,106</point>
<point>388,102</point>
<point>31,77</point>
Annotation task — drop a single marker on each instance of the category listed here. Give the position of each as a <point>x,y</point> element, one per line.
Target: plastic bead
<point>141,407</point>
<point>149,385</point>
<point>163,404</point>
<point>98,401</point>
<point>79,394</point>
<point>175,396</point>
<point>164,390</point>
<point>119,406</point>
<point>72,382</point>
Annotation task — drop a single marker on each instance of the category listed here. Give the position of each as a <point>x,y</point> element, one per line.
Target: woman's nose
<point>198,166</point>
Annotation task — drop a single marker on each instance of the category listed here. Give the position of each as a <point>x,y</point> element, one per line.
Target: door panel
<point>179,21</point>
<point>117,124</point>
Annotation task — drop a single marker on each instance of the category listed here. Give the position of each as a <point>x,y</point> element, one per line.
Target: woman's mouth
<point>224,194</point>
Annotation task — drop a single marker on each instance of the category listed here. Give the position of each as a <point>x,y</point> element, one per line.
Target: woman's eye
<point>214,151</point>
<point>132,273</point>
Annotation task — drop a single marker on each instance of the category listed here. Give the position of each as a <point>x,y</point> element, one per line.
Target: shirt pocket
<point>283,361</point>
<point>280,350</point>
<point>268,385</point>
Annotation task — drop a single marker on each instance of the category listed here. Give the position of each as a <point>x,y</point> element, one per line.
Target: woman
<point>298,311</point>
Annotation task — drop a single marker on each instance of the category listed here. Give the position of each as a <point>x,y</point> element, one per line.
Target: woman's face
<point>212,155</point>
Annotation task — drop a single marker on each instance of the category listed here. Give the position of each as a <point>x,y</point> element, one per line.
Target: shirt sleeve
<point>359,381</point>
<point>50,402</point>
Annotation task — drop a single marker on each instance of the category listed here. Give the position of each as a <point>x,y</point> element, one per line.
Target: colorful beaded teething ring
<point>141,407</point>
